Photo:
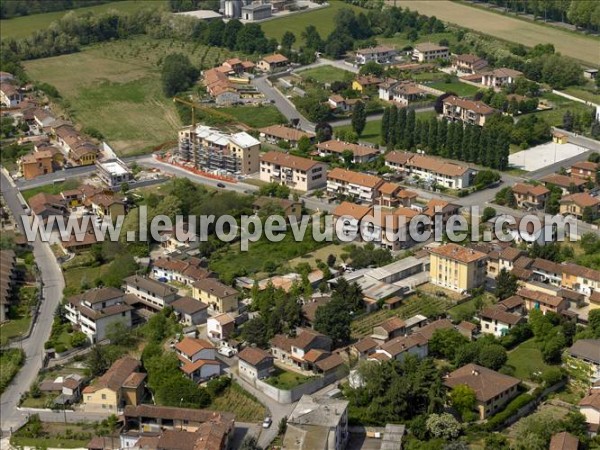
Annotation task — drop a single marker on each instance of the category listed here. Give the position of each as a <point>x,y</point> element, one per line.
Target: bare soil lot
<point>583,48</point>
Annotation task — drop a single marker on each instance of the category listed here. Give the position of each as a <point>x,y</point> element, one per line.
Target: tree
<point>255,331</point>
<point>463,399</point>
<point>492,356</point>
<point>444,343</point>
<point>568,121</point>
<point>331,260</point>
<point>250,443</point>
<point>488,213</point>
<point>507,284</point>
<point>443,426</point>
<point>359,118</point>
<point>287,40</point>
<point>177,73</point>
<point>587,214</point>
<point>496,441</point>
<point>371,68</point>
<point>274,190</point>
<point>333,319</point>
<point>78,339</point>
<point>304,144</point>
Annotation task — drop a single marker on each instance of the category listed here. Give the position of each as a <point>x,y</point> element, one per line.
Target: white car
<point>226,351</point>
<point>267,422</point>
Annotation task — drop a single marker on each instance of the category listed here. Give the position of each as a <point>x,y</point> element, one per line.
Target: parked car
<point>267,422</point>
<point>221,185</point>
<point>226,351</point>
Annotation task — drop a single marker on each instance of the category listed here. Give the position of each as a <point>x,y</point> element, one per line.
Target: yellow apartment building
<point>457,268</point>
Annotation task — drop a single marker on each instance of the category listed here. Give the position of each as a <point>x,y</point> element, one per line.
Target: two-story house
<point>468,63</point>
<point>428,51</point>
<point>96,311</point>
<point>291,351</point>
<point>391,328</point>
<point>10,96</point>
<point>530,196</point>
<point>275,133</point>
<point>298,173</point>
<point>585,169</point>
<point>542,301</point>
<point>220,326</point>
<point>198,358</point>
<point>501,77</point>
<point>580,205</point>
<point>357,185</point>
<point>470,112</point>
<point>497,320</point>
<point>568,184</point>
<point>381,54</point>
<point>401,92</point>
<point>360,153</point>
<point>152,294</point>
<point>273,63</point>
<point>399,348</point>
<point>219,297</point>
<point>254,363</point>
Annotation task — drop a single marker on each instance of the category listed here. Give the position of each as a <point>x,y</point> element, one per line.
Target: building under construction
<point>212,150</point>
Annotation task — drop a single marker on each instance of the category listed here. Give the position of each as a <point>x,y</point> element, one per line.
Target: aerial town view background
<point>361,119</point>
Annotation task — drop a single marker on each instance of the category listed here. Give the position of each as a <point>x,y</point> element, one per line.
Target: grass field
<point>327,74</point>
<point>296,23</point>
<point>322,254</point>
<point>256,116</point>
<point>54,435</point>
<point>77,274</point>
<point>526,359</point>
<point>11,360</point>
<point>236,400</point>
<point>20,27</point>
<point>55,188</point>
<point>115,88</point>
<point>467,310</point>
<point>577,46</point>
<point>561,105</point>
<point>585,94</point>
<point>286,380</point>
<point>460,89</point>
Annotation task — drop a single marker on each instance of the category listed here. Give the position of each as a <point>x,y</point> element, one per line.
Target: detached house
<point>466,111</point>
<point>10,96</point>
<point>498,78</point>
<point>468,63</point>
<point>492,389</point>
<point>398,348</point>
<point>381,54</point>
<point>362,83</point>
<point>358,185</point>
<point>254,363</point>
<point>198,358</point>
<point>498,321</point>
<point>427,52</point>
<point>219,297</point>
<point>97,310</point>
<point>568,185</point>
<point>577,204</point>
<point>191,311</point>
<point>220,326</point>
<point>276,133</point>
<point>272,63</point>
<point>530,196</point>
<point>542,301</point>
<point>360,153</point>
<point>388,330</point>
<point>585,169</point>
<point>298,173</point>
<point>121,385</point>
<point>292,351</point>
<point>401,92</point>
<point>152,294</point>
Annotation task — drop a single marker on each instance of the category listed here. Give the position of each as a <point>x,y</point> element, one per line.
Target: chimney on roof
<point>475,372</point>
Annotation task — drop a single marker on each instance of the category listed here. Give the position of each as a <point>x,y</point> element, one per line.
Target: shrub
<point>217,385</point>
<point>499,419</point>
<point>60,347</point>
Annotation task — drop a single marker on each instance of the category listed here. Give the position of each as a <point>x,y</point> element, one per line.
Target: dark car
<point>221,185</point>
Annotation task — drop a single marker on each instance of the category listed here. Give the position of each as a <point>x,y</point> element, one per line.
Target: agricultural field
<point>327,74</point>
<point>400,41</point>
<point>236,400</point>
<point>412,305</point>
<point>20,27</point>
<point>115,88</point>
<point>322,19</point>
<point>583,48</point>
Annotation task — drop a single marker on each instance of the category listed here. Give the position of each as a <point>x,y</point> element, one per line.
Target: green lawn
<point>327,74</point>
<point>19,27</point>
<point>10,361</point>
<point>322,18</point>
<point>55,188</point>
<point>236,400</point>
<point>55,435</point>
<point>467,310</point>
<point>400,40</point>
<point>256,116</point>
<point>115,88</point>
<point>526,359</point>
<point>584,93</point>
<point>20,315</point>
<point>13,328</point>
<point>460,89</point>
<point>561,105</point>
<point>287,380</point>
<point>78,275</point>
<point>262,256</point>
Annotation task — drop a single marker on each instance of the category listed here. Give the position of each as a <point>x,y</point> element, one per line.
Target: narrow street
<point>53,283</point>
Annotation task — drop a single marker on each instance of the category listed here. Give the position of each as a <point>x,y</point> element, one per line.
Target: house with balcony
<point>381,54</point>
<point>219,297</point>
<point>97,311</point>
<point>580,205</point>
<point>500,77</point>
<point>586,170</point>
<point>583,280</point>
<point>220,327</point>
<point>273,63</point>
<point>542,301</point>
<point>468,63</point>
<point>530,196</point>
<point>185,270</point>
<point>436,171</point>
<point>399,348</point>
<point>275,133</point>
<point>567,184</point>
<point>292,350</point>
<point>198,358</point>
<point>392,195</point>
<point>301,174</point>
<point>401,93</point>
<point>153,295</point>
<point>360,153</point>
<point>360,186</point>
<point>350,215</point>
<point>470,112</point>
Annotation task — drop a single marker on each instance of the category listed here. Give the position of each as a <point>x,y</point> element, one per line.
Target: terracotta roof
<point>546,266</point>
<point>134,380</point>
<point>393,324</point>
<point>365,344</point>
<point>398,157</point>
<point>563,180</point>
<point>310,309</point>
<point>595,297</point>
<point>503,72</point>
<point>275,58</point>
<point>224,319</point>
<point>472,59</point>
<point>174,413</point>
<point>458,253</point>
<point>188,305</point>
<point>510,254</point>
<point>254,356</point>
<point>581,271</point>
<point>499,314</point>
<point>402,344</point>
<point>529,189</point>
<point>486,383</point>
<point>351,209</point>
<point>314,355</point>
<point>541,297</point>
<point>429,47</point>
<point>368,80</point>
<point>428,330</point>
<point>337,146</point>
<point>581,199</point>
<point>511,302</point>
<point>585,165</point>
<point>332,361</point>
<point>564,441</point>
<point>191,367</point>
<point>357,178</point>
<point>190,346</point>
<point>98,295</point>
<point>114,377</point>
<point>285,160</point>
<point>284,132</point>
<point>592,400</point>
<point>471,105</point>
<point>375,49</point>
<point>214,287</point>
<point>436,165</point>
<point>305,338</point>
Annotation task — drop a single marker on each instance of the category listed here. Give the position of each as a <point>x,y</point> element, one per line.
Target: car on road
<point>221,185</point>
<point>267,422</point>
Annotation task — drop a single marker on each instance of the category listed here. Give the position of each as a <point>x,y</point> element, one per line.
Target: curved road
<point>53,285</point>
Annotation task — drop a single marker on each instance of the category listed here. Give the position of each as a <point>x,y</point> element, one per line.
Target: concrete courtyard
<point>536,158</point>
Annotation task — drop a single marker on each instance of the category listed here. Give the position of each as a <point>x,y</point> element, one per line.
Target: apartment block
<point>428,51</point>
<point>470,112</point>
<point>457,268</point>
<point>301,174</point>
<point>361,186</point>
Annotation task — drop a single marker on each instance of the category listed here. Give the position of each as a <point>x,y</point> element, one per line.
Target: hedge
<point>512,408</point>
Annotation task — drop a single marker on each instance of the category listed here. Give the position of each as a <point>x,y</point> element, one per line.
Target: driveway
<point>53,285</point>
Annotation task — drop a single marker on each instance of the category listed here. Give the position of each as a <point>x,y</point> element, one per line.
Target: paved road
<point>53,285</point>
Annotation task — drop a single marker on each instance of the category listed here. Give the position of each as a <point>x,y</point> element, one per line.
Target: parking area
<point>544,155</point>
